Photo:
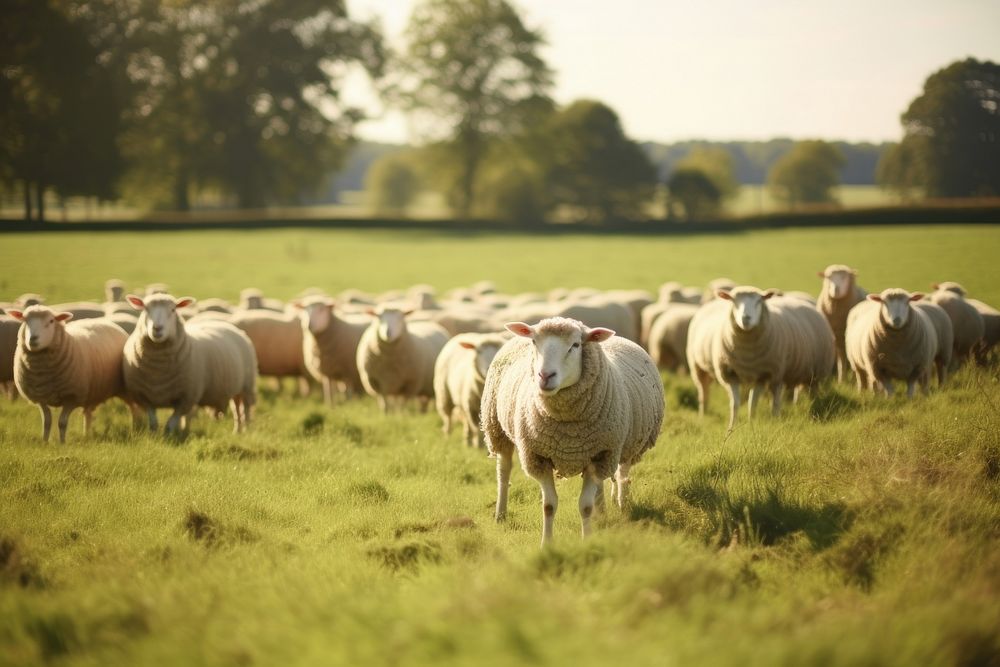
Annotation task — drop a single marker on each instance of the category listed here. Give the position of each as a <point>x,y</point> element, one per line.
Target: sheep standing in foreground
<point>573,401</point>
<point>744,340</point>
<point>839,293</point>
<point>66,364</point>
<point>396,358</point>
<point>887,339</point>
<point>966,321</point>
<point>178,365</point>
<point>459,377</point>
<point>945,334</point>
<point>330,345</point>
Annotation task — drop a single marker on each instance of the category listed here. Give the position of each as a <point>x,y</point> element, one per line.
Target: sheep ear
<point>875,297</point>
<point>598,335</point>
<point>297,304</point>
<point>64,317</point>
<point>821,274</point>
<point>769,293</point>
<point>723,294</point>
<point>184,301</point>
<point>408,312</point>
<point>936,285</point>
<point>16,314</point>
<point>371,311</point>
<point>520,328</point>
<point>136,302</point>
<point>467,345</point>
<point>916,296</point>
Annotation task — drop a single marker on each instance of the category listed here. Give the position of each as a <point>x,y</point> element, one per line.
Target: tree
<point>474,67</point>
<point>59,112</point>
<point>901,169</point>
<point>593,166</point>
<point>392,184</point>
<point>952,131</point>
<point>807,173</point>
<point>716,163</point>
<point>696,192</point>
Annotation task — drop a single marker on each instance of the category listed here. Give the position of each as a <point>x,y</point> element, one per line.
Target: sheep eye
<point>574,346</point>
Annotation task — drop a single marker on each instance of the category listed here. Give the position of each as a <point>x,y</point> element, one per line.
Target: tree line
<point>239,102</point>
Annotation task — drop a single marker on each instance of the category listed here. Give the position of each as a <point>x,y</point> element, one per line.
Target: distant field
<point>849,531</point>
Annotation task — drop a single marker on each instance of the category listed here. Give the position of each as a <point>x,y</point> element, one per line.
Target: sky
<point>731,69</point>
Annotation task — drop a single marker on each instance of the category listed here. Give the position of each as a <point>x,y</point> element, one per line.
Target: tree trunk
<point>40,200</point>
<point>181,201</point>
<point>27,200</point>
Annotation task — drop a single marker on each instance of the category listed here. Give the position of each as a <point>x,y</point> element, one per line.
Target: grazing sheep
<point>459,377</point>
<point>945,334</point>
<point>277,342</point>
<point>839,293</point>
<point>573,400</point>
<point>171,364</point>
<point>887,339</point>
<point>396,358</point>
<point>8,345</point>
<point>330,343</point>
<point>991,329</point>
<point>749,341</point>
<point>966,321</point>
<point>668,337</point>
<point>66,364</point>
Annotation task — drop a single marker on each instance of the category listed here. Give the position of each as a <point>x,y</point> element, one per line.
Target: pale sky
<point>733,69</point>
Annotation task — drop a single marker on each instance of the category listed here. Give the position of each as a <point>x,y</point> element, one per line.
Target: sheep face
<point>159,320</point>
<point>558,352</point>
<point>319,314</point>
<point>114,290</point>
<point>39,326</point>
<point>391,324</point>
<point>895,306</point>
<point>838,282</point>
<point>484,355</point>
<point>748,305</point>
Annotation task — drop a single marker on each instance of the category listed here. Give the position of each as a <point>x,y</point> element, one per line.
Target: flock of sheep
<point>567,378</point>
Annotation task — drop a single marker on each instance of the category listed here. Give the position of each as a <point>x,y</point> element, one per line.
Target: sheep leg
<point>236,405</point>
<point>504,465</point>
<point>588,494</point>
<point>154,424</point>
<point>176,421</point>
<point>383,404</point>
<point>46,421</point>
<point>841,367</point>
<point>470,436</point>
<point>623,485</point>
<point>755,391</point>
<point>88,420</point>
<point>327,391</point>
<point>303,386</point>
<point>64,421</point>
<point>734,403</point>
<point>776,399</point>
<point>550,501</point>
<point>702,380</point>
<point>599,498</point>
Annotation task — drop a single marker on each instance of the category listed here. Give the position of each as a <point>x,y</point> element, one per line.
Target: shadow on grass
<point>831,404</point>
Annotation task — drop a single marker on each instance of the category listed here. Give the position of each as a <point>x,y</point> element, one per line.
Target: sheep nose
<point>746,322</point>
<point>545,377</point>
<point>157,330</point>
<point>32,341</point>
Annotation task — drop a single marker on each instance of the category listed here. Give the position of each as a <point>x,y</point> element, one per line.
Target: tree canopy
<point>474,67</point>
<point>807,173</point>
<point>695,191</point>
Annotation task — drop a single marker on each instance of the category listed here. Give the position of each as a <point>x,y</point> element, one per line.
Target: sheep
<point>573,400</point>
<point>8,344</point>
<point>329,345</point>
<point>156,288</point>
<point>127,321</point>
<point>967,322</point>
<point>839,293</point>
<point>253,299</point>
<point>600,311</point>
<point>463,318</point>
<point>745,340</point>
<point>81,310</point>
<point>114,299</point>
<point>172,364</point>
<point>670,294</point>
<point>667,342</point>
<point>636,300</point>
<point>888,339</point>
<point>712,290</point>
<point>277,342</point>
<point>396,358</point>
<point>27,300</point>
<point>991,329</point>
<point>459,376</point>
<point>214,305</point>
<point>66,364</point>
<point>944,333</point>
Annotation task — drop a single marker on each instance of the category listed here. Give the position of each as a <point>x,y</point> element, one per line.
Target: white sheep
<point>991,329</point>
<point>459,377</point>
<point>277,341</point>
<point>668,336</point>
<point>967,322</point>
<point>253,299</point>
<point>396,358</point>
<point>945,334</point>
<point>756,338</point>
<point>330,344</point>
<point>670,293</point>
<point>573,400</point>
<point>887,339</point>
<point>66,364</point>
<point>178,365</point>
<point>8,345</point>
<point>839,293</point>
<point>714,286</point>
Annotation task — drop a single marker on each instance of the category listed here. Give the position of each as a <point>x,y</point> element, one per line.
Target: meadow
<point>852,530</point>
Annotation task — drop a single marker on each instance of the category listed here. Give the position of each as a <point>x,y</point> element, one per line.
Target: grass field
<point>849,531</point>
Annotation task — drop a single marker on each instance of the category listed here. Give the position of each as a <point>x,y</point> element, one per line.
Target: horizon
<point>830,61</point>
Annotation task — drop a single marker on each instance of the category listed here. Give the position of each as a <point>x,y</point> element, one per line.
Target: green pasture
<point>852,530</point>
